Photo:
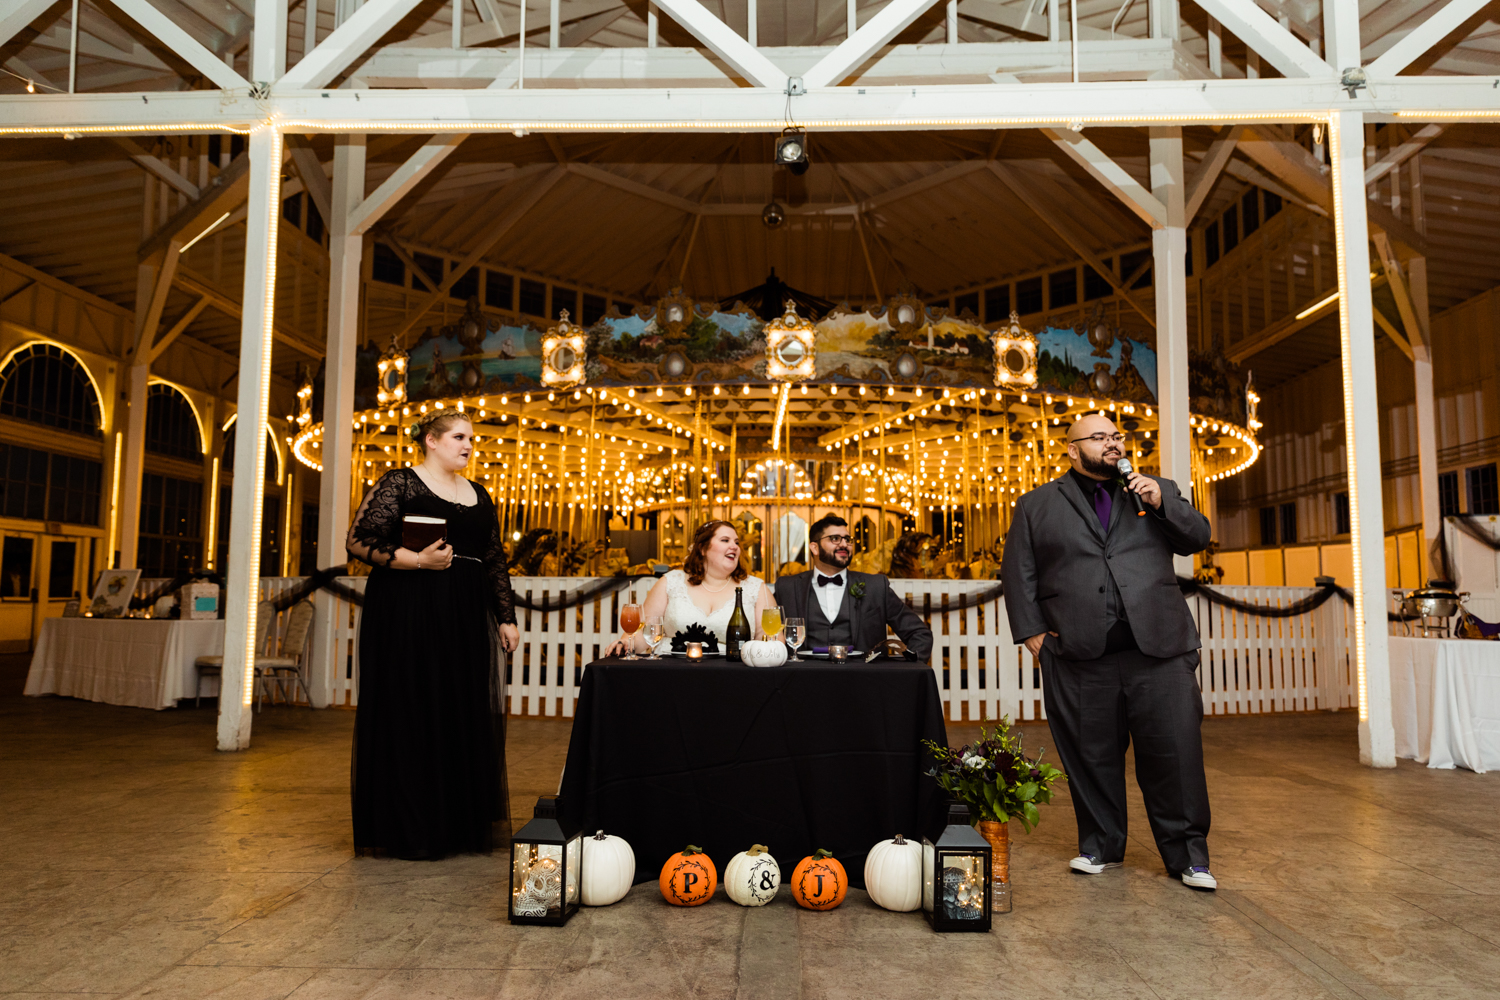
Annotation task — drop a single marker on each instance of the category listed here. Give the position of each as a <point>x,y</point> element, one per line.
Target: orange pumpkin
<point>689,877</point>
<point>819,882</point>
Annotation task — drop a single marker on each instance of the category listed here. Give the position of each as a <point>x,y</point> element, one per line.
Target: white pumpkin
<point>608,869</point>
<point>763,653</point>
<point>893,874</point>
<point>752,877</point>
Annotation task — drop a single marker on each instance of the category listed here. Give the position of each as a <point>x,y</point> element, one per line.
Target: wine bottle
<point>739,628</point>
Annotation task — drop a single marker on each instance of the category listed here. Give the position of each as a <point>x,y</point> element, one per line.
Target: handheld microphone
<point>1124,467</point>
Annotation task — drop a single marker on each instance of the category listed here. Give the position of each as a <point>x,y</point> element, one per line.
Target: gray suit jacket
<point>871,613</point>
<point>1057,558</point>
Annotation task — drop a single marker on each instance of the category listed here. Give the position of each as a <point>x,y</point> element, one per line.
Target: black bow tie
<point>824,581</point>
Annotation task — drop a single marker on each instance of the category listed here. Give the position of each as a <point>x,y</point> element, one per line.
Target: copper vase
<point>997,834</point>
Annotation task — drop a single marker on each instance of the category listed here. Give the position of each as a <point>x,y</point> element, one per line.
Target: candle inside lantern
<point>694,650</point>
<point>838,652</point>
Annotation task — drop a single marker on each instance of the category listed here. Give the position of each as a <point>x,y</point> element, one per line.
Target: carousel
<point>604,447</point>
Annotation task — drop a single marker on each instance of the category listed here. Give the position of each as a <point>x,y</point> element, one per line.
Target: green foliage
<point>994,777</point>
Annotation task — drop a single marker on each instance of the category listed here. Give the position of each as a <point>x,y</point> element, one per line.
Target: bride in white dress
<point>702,592</point>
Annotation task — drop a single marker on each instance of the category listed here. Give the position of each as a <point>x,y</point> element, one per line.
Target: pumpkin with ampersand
<point>819,882</point>
<point>752,877</point>
<point>689,877</point>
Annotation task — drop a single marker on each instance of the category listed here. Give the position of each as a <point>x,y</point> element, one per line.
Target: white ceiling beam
<point>1208,171</point>
<point>582,30</point>
<point>872,35</point>
<point>1273,43</point>
<point>1401,342</point>
<point>314,181</point>
<point>635,187</point>
<point>1404,305</point>
<point>407,176</point>
<point>201,286</point>
<point>493,235</point>
<point>1049,202</point>
<point>1248,174</point>
<point>722,40</point>
<point>1115,178</point>
<point>1423,37</point>
<point>20,16</point>
<point>154,166</point>
<point>228,193</point>
<point>1119,104</point>
<point>1018,18</point>
<point>162,284</point>
<point>184,45</point>
<point>156,349</point>
<point>1411,147</point>
<point>348,42</point>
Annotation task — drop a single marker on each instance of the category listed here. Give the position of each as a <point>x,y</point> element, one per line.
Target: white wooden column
<point>1169,263</point>
<point>1427,461</point>
<point>338,401</point>
<point>242,562</point>
<point>133,455</point>
<point>1377,740</point>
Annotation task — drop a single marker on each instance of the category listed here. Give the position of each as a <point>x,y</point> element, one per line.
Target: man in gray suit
<point>845,608</point>
<point>1090,589</point>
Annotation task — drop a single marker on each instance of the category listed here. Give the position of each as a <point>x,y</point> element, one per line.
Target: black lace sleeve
<point>496,566</point>
<point>375,534</point>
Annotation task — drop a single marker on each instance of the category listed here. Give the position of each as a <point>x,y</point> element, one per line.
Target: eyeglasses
<point>1101,438</point>
<point>835,539</point>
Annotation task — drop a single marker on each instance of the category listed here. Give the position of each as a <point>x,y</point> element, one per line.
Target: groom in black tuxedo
<point>845,608</point>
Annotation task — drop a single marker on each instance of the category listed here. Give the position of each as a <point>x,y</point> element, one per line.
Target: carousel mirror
<point>1015,361</point>
<point>790,352</point>
<point>906,314</point>
<point>563,357</point>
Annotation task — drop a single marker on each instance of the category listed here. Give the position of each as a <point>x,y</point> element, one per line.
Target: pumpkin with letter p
<point>689,877</point>
<point>819,881</point>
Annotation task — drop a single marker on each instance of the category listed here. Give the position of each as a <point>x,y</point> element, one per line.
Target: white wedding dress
<point>682,612</point>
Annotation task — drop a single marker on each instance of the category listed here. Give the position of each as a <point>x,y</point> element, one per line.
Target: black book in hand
<point>418,532</point>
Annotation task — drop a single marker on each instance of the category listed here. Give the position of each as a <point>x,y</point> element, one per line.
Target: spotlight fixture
<point>791,151</point>
<point>773,215</point>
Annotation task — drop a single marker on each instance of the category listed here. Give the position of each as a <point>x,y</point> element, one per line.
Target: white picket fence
<point>1250,664</point>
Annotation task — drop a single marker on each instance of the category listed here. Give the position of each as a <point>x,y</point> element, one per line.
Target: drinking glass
<point>770,622</point>
<point>656,629</point>
<point>796,633</point>
<point>630,624</point>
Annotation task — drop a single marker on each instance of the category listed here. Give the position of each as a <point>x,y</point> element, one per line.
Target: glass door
<point>18,554</point>
<point>58,577</point>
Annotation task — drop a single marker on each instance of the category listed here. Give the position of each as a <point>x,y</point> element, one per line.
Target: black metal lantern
<point>956,876</point>
<point>546,864</point>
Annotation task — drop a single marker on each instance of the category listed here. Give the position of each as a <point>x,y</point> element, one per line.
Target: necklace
<point>453,500</point>
<point>711,591</point>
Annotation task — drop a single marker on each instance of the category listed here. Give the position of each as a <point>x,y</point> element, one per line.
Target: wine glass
<point>630,624</point>
<point>770,622</point>
<point>656,629</point>
<point>796,634</point>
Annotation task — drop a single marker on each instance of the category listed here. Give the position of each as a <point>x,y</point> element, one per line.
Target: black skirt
<point>429,748</point>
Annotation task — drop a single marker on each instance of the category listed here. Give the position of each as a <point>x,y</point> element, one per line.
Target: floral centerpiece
<point>997,780</point>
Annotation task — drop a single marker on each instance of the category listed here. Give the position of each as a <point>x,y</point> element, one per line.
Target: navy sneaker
<point>1089,864</point>
<point>1199,877</point>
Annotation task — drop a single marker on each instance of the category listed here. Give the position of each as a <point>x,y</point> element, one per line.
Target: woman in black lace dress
<point>429,737</point>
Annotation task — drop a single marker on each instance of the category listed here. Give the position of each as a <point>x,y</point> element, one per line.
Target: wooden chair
<point>289,665</point>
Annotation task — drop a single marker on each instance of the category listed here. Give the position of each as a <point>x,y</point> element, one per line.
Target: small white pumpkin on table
<point>763,653</point>
<point>608,869</point>
<point>752,877</point>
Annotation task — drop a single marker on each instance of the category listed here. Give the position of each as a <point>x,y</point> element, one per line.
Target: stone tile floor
<point>135,861</point>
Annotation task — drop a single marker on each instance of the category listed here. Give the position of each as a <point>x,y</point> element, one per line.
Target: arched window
<point>171,424</point>
<point>273,457</point>
<point>46,385</point>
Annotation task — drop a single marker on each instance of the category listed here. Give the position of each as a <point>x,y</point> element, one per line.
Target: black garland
<point>175,584</point>
<point>571,599</point>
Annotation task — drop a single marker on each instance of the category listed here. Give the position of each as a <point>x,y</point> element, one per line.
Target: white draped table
<point>121,661</point>
<point>1445,701</point>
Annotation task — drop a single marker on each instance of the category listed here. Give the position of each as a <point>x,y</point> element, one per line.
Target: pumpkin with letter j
<point>689,877</point>
<point>819,881</point>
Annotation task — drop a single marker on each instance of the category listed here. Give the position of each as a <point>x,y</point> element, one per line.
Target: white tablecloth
<point>1445,701</point>
<point>145,663</point>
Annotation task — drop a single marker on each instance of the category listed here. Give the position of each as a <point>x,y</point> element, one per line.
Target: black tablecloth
<point>724,756</point>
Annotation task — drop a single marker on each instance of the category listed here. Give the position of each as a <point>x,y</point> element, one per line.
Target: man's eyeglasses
<point>835,539</point>
<point>1102,438</point>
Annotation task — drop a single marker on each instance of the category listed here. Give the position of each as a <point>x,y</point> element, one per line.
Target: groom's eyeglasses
<point>836,539</point>
<point>1101,438</point>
